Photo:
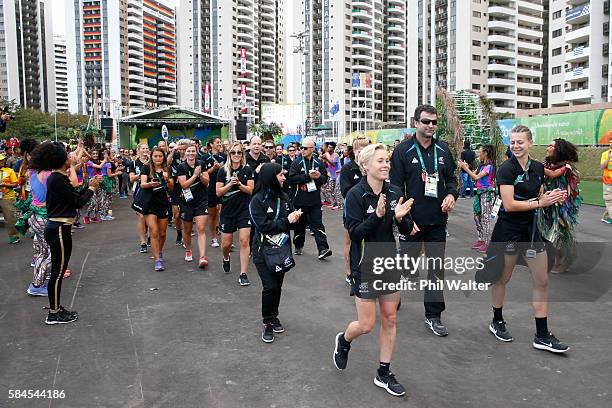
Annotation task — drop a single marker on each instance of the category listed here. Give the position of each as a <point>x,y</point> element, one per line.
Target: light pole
<point>55,123</point>
<point>301,49</point>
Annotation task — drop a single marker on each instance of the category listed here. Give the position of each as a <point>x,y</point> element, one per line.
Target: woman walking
<point>371,209</point>
<point>485,197</point>
<point>557,222</point>
<point>520,181</point>
<point>108,185</point>
<point>62,202</point>
<point>193,179</point>
<point>155,176</point>
<point>234,187</point>
<point>135,172</point>
<point>94,169</point>
<point>272,217</point>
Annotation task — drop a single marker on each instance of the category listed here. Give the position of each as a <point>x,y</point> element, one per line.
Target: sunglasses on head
<point>429,121</point>
<point>291,150</point>
<point>236,153</point>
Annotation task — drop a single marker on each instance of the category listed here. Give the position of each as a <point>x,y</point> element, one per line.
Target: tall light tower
<point>301,49</point>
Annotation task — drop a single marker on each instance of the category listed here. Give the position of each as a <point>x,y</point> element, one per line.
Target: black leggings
<point>59,238</point>
<point>272,283</point>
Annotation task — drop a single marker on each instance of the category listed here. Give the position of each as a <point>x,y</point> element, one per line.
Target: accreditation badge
<point>431,186</point>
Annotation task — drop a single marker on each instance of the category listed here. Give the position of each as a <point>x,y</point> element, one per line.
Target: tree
<point>41,125</point>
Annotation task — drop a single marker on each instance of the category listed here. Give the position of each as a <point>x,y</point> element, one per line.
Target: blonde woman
<point>234,186</point>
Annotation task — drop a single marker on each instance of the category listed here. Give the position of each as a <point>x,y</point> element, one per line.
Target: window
<point>557,33</point>
<point>475,86</point>
<point>557,14</point>
<point>476,14</point>
<point>475,57</point>
<point>556,70</point>
<point>476,29</point>
<point>475,72</point>
<point>556,89</point>
<point>476,43</point>
<point>556,51</point>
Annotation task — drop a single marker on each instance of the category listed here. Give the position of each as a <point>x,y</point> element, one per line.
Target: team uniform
<point>175,194</point>
<point>235,203</point>
<point>198,205</point>
<point>350,176</point>
<point>254,163</point>
<point>210,161</point>
<point>158,205</point>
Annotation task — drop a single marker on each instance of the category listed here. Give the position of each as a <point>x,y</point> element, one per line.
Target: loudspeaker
<point>241,129</point>
<point>107,126</point>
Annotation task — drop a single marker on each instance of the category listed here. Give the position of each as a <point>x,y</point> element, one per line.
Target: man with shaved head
<point>255,158</point>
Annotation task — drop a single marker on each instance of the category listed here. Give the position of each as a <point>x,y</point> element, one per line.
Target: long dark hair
<point>268,184</point>
<point>489,150</point>
<point>152,166</point>
<point>565,152</point>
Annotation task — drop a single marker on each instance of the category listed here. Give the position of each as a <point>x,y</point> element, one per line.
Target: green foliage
<point>267,131</point>
<point>32,123</point>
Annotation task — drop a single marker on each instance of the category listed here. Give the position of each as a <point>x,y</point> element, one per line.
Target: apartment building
<point>579,52</point>
<point>355,64</point>
<point>61,73</point>
<point>26,54</point>
<point>122,55</point>
<point>232,56</point>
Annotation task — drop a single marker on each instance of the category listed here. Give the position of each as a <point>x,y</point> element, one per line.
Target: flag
<point>335,108</point>
<point>356,82</point>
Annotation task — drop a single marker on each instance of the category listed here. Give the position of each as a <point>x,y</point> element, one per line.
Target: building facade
<point>61,73</point>
<point>26,54</point>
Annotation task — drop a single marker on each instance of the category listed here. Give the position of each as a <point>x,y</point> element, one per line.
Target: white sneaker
<point>214,243</point>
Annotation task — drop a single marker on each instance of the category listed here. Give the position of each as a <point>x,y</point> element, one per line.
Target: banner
<point>580,128</point>
<point>207,98</point>
<point>243,61</point>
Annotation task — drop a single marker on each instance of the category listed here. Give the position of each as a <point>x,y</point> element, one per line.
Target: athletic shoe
<point>86,220</point>
<point>143,248</point>
<point>347,279</point>
<point>62,317</point>
<point>277,326</point>
<point>299,251</point>
<point>67,273</point>
<point>243,279</point>
<point>78,225</point>
<point>37,291</point>
<point>203,263</point>
<point>477,244</point>
<point>340,356</point>
<point>550,343</point>
<point>188,256</point>
<point>13,240</point>
<point>33,263</point>
<point>389,383</point>
<point>483,248</point>
<point>499,330</point>
<point>311,233</point>
<point>607,220</point>
<point>436,326</point>
<point>161,256</point>
<point>109,218</point>
<point>325,253</point>
<point>226,265</point>
<point>214,243</point>
<point>179,242</point>
<point>122,196</point>
<point>267,335</point>
<point>159,266</point>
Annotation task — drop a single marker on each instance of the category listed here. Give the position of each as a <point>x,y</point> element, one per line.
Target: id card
<point>531,253</point>
<point>496,207</point>
<point>311,186</point>
<point>431,186</point>
<point>187,194</point>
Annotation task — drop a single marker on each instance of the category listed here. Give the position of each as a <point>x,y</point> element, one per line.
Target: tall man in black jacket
<point>307,174</point>
<point>425,170</point>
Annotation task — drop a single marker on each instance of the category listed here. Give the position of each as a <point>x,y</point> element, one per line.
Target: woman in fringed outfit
<point>557,222</point>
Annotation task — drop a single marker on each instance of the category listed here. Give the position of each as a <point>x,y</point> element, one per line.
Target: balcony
<point>500,24</point>
<point>529,32</point>
<point>578,94</point>
<point>577,54</point>
<point>501,11</point>
<point>507,96</point>
<point>528,99</point>
<point>501,81</point>
<point>578,15</point>
<point>530,46</point>
<point>501,67</point>
<point>501,53</point>
<point>532,86</point>
<point>529,72</point>
<point>577,74</point>
<point>501,39</point>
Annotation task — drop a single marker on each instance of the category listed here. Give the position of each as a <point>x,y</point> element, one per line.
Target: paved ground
<point>195,342</point>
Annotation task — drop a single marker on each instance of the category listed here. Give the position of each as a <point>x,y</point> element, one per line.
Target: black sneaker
<point>72,313</point>
<point>436,326</point>
<point>325,253</point>
<point>389,383</point>
<point>299,251</point>
<point>143,248</point>
<point>62,317</point>
<point>179,242</point>
<point>500,331</point>
<point>550,343</point>
<point>226,266</point>
<point>340,356</point>
<point>277,326</point>
<point>243,280</point>
<point>267,335</point>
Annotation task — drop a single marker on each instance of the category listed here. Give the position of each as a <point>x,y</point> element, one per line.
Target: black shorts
<point>229,225</point>
<point>213,200</point>
<point>517,238</point>
<point>175,197</point>
<point>159,212</point>
<point>188,213</point>
<point>363,291</point>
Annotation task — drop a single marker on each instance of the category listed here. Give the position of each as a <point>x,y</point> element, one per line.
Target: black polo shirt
<point>235,201</point>
<point>254,163</point>
<point>526,184</point>
<point>198,189</point>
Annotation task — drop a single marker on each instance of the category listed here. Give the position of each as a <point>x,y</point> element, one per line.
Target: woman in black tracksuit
<point>371,208</point>
<point>62,203</point>
<point>271,213</point>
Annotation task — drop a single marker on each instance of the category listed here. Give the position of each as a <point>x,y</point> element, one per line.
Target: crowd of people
<point>270,195</point>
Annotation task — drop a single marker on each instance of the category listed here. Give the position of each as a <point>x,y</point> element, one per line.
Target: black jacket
<point>406,172</point>
<point>253,164</point>
<point>350,175</point>
<point>262,212</point>
<point>62,199</point>
<point>298,177</point>
<point>364,225</point>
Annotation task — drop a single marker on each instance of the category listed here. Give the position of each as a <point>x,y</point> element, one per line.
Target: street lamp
<point>301,49</point>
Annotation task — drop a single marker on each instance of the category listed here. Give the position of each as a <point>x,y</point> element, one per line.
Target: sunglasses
<point>291,150</point>
<point>269,147</point>
<point>236,153</point>
<point>306,147</point>
<point>428,121</point>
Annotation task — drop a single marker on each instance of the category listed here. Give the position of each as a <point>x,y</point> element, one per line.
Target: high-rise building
<point>123,53</point>
<point>61,73</point>
<point>355,63</point>
<point>232,56</point>
<point>579,52</point>
<point>494,47</point>
<point>26,53</point>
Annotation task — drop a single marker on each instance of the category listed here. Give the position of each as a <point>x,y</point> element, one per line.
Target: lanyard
<point>304,164</point>
<point>418,149</point>
<point>525,175</point>
<point>277,209</point>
